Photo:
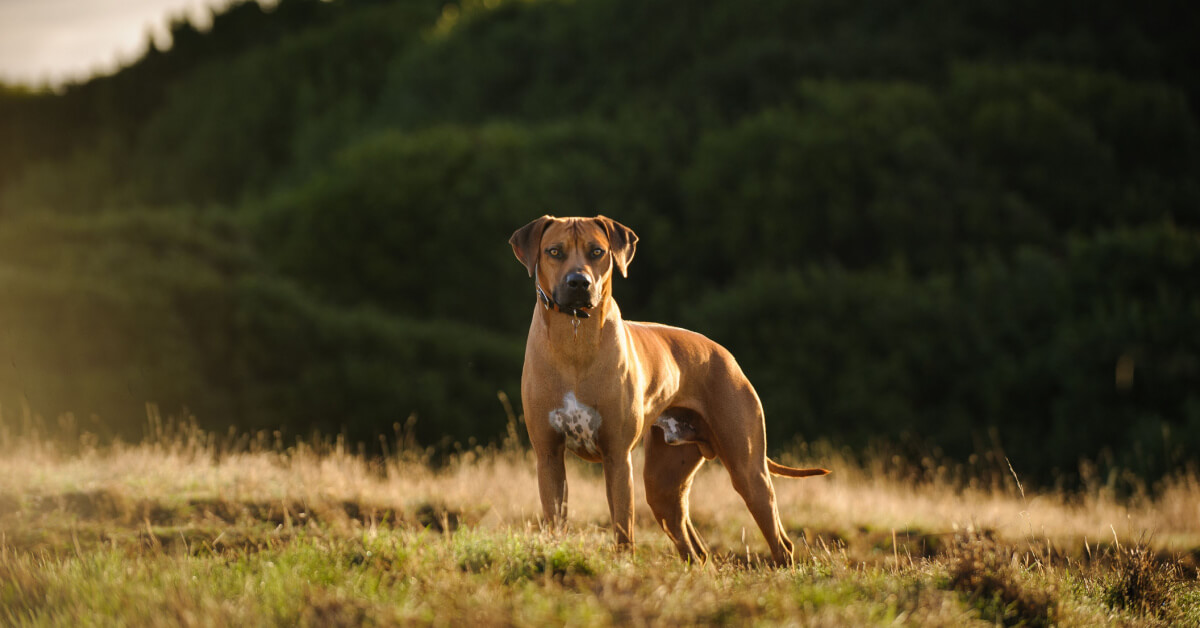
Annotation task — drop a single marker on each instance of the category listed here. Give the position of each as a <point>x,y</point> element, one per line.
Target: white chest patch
<point>578,423</point>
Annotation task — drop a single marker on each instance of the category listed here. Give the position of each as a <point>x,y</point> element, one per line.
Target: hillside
<point>937,228</point>
<point>188,528</point>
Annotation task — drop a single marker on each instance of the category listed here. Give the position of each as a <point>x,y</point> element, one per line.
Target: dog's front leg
<point>618,480</point>
<point>552,486</point>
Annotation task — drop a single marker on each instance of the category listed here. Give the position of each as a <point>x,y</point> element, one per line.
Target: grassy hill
<point>193,528</point>
<point>941,227</point>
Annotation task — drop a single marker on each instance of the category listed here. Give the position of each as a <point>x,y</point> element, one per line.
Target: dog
<point>595,384</point>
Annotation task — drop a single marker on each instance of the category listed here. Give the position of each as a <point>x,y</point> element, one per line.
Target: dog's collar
<point>549,303</point>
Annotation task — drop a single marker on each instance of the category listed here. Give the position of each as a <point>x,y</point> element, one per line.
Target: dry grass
<point>185,530</point>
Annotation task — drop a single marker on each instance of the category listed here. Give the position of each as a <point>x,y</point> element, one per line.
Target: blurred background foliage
<point>952,227</point>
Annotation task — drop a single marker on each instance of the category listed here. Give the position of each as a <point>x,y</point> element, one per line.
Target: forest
<point>952,231</point>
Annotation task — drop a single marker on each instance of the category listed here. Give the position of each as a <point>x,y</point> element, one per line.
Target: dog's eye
<point>597,252</point>
<point>554,252</point>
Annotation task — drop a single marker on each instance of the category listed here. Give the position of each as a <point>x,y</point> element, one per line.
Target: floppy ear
<point>623,242</point>
<point>527,240</point>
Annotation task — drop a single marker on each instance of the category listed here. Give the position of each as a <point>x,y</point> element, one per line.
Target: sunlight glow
<point>52,42</point>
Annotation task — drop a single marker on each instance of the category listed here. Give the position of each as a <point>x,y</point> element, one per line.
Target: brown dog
<point>596,384</point>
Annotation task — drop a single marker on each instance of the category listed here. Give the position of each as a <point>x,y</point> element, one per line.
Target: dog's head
<point>573,258</point>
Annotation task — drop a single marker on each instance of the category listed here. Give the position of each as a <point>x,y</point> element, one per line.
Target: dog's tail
<point>792,472</point>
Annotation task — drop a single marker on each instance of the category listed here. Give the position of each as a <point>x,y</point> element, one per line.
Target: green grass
<point>179,534</point>
<point>401,576</point>
<point>314,576</point>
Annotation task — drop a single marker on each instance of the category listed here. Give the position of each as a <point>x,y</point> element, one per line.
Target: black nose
<point>578,281</point>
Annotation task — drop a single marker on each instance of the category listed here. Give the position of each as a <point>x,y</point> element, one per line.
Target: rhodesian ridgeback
<point>596,384</point>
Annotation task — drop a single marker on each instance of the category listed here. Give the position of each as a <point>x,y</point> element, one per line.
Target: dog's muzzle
<point>574,292</point>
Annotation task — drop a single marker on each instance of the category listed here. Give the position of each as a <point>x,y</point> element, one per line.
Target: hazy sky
<point>55,40</point>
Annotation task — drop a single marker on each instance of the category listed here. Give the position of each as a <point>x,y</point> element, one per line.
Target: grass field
<point>189,528</point>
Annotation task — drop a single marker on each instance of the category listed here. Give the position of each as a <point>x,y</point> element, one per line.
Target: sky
<point>50,42</point>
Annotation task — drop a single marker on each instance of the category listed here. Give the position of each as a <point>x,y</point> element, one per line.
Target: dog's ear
<point>623,242</point>
<point>527,240</point>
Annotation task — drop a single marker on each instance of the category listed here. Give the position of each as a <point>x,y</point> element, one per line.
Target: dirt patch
<point>726,557</point>
<point>112,506</point>
<point>103,504</point>
<point>438,519</point>
<point>868,547</point>
<point>910,544</point>
<point>372,514</point>
<point>280,513</point>
<point>9,504</point>
<point>211,542</point>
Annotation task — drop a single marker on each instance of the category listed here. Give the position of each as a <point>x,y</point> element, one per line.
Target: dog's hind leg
<point>754,485</point>
<point>741,443</point>
<point>668,475</point>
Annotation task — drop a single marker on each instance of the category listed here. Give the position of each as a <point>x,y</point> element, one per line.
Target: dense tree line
<point>958,226</point>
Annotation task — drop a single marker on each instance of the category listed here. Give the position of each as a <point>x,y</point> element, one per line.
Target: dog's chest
<point>578,423</point>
